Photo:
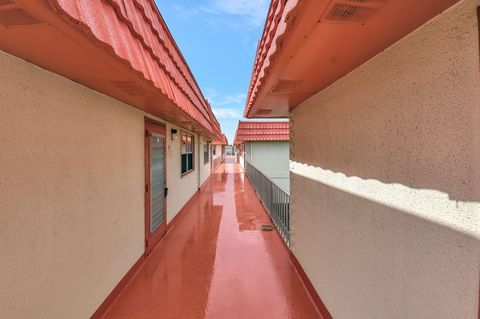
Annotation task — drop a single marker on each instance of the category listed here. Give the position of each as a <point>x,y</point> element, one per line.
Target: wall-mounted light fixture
<point>173,134</point>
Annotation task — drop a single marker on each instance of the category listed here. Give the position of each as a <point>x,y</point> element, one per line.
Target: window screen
<point>157,179</point>
<point>187,153</point>
<point>206,155</point>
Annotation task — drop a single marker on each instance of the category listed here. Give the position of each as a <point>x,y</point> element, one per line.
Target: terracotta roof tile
<point>276,26</point>
<point>262,131</point>
<point>137,33</point>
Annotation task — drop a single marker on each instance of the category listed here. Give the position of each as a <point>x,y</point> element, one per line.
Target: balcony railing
<point>275,200</point>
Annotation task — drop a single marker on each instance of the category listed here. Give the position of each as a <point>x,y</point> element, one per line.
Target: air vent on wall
<point>130,88</point>
<point>285,86</point>
<point>359,11</point>
<point>263,112</point>
<point>14,17</point>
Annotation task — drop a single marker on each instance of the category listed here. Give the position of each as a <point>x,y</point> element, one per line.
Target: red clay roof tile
<point>262,131</point>
<point>138,34</point>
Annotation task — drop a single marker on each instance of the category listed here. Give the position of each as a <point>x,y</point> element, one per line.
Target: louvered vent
<point>130,88</point>
<point>285,86</point>
<point>358,11</point>
<point>263,112</point>
<point>14,17</point>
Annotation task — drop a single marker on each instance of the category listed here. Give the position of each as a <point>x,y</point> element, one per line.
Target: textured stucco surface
<point>218,152</point>
<point>180,188</point>
<point>204,168</point>
<point>385,179</point>
<point>71,193</point>
<point>272,159</point>
<point>71,208</point>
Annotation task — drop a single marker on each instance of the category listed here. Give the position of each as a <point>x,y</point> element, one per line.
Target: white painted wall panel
<point>272,159</point>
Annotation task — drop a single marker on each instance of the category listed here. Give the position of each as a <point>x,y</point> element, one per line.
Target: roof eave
<point>98,65</point>
<point>284,73</point>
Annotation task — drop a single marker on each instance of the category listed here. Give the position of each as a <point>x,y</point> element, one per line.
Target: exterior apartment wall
<point>180,188</point>
<point>218,152</point>
<point>205,168</point>
<point>72,192</point>
<point>217,158</point>
<point>386,180</point>
<point>272,159</point>
<point>71,185</point>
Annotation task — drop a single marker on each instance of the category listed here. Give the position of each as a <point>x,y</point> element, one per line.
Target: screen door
<point>155,188</point>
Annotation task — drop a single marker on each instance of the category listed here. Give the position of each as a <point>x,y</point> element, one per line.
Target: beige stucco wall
<point>217,157</point>
<point>71,193</point>
<point>386,179</point>
<point>218,152</point>
<point>71,188</point>
<point>180,188</point>
<point>205,168</point>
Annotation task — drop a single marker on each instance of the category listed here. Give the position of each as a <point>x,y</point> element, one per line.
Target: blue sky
<point>218,39</point>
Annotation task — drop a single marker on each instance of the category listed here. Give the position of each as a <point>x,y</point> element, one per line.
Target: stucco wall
<point>272,159</point>
<point>218,152</point>
<point>204,167</point>
<point>386,179</point>
<point>180,188</point>
<point>71,185</point>
<point>71,193</point>
<point>218,156</point>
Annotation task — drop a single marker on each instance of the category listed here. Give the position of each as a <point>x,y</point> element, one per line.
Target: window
<point>187,153</point>
<point>206,147</point>
<point>214,150</point>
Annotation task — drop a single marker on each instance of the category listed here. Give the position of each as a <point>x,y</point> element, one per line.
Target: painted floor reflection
<point>216,263</point>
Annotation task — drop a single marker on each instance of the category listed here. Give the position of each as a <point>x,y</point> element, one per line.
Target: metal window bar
<point>275,200</point>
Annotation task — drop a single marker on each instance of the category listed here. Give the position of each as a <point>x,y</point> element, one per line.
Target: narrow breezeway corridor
<point>216,263</point>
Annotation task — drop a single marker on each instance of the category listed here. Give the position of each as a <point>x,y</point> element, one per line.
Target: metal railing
<point>275,200</point>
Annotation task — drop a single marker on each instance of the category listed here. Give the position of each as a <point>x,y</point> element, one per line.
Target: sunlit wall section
<point>386,179</point>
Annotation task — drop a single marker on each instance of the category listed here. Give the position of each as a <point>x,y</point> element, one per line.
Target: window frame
<point>214,150</point>
<point>188,171</point>
<point>206,152</point>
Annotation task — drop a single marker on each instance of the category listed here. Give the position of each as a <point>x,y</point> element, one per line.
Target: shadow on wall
<point>403,264</point>
<point>409,116</point>
<point>420,149</point>
<point>428,204</point>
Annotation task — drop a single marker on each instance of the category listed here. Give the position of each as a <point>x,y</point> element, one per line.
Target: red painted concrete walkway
<point>216,263</point>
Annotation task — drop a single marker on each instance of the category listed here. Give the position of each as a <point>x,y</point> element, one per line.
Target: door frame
<point>151,240</point>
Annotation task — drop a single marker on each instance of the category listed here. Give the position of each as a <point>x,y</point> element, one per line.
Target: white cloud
<point>238,99</point>
<point>236,14</point>
<point>251,11</point>
<point>225,113</point>
<point>184,12</point>
<point>226,106</point>
<point>217,99</point>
